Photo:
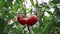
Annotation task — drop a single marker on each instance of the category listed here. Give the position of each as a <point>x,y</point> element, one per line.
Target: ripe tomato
<point>22,20</point>
<point>32,20</point>
<point>29,21</point>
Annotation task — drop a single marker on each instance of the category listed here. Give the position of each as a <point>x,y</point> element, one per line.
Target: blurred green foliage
<point>9,9</point>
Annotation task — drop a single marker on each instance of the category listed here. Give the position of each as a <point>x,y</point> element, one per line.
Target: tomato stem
<point>30,31</point>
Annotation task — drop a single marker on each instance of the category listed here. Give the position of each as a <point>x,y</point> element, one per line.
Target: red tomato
<point>29,21</point>
<point>32,20</point>
<point>22,20</point>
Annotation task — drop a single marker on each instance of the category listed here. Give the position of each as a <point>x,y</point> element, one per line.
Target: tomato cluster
<point>29,21</point>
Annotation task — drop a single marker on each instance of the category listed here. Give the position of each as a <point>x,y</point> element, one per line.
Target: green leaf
<point>2,25</point>
<point>56,1</point>
<point>9,3</point>
<point>16,31</point>
<point>32,2</point>
<point>2,4</point>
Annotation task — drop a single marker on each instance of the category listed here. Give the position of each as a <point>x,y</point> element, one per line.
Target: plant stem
<point>30,31</point>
